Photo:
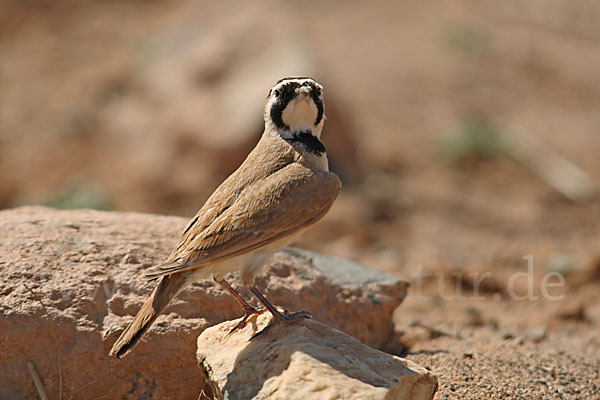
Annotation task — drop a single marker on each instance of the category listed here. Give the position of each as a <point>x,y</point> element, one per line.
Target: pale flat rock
<point>304,360</point>
<point>83,266</point>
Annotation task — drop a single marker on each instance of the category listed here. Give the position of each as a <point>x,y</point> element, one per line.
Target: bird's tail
<point>168,287</point>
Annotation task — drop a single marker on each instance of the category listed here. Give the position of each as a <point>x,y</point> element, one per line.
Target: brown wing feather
<point>286,202</point>
<point>270,155</point>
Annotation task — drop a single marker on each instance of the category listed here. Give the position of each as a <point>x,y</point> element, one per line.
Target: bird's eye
<point>277,92</point>
<point>318,92</point>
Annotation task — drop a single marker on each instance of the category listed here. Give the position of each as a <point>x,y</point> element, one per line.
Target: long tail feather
<point>168,287</point>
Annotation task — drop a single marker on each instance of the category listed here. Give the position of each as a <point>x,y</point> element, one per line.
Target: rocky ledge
<point>69,285</point>
<point>304,360</point>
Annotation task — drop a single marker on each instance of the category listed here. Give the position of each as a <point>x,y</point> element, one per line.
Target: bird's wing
<point>278,206</point>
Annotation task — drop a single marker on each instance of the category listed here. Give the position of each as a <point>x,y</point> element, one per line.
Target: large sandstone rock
<point>304,360</point>
<point>68,286</point>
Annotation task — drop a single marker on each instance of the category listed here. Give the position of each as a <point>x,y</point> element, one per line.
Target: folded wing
<point>280,205</point>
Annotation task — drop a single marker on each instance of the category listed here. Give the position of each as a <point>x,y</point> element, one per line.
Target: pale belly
<point>249,264</point>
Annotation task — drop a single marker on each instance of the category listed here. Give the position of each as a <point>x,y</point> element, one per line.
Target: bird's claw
<point>286,317</point>
<point>249,312</point>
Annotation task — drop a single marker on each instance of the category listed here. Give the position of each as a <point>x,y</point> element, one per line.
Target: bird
<point>283,187</point>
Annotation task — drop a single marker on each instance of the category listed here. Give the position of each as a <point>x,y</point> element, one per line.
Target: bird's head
<point>295,105</point>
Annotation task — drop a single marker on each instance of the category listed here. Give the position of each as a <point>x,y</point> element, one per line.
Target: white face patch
<point>300,114</point>
<point>294,105</point>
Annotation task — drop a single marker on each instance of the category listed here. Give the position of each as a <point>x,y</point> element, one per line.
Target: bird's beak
<point>304,93</point>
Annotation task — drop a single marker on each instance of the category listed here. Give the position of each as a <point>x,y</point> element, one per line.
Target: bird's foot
<point>287,316</point>
<point>249,312</point>
<point>284,316</point>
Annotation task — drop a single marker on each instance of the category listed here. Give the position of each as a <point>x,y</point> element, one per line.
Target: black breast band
<point>309,141</point>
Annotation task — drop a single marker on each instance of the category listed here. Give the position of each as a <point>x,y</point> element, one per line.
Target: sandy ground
<point>503,349</point>
<point>126,105</point>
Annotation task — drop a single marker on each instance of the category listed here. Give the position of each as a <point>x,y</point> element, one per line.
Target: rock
<point>68,286</point>
<point>538,333</point>
<point>304,360</point>
<point>357,300</point>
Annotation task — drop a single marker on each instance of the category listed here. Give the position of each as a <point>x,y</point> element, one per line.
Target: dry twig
<point>37,381</point>
<point>60,380</point>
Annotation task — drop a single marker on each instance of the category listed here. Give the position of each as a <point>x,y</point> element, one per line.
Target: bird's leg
<point>248,309</point>
<point>277,315</point>
<point>245,306</point>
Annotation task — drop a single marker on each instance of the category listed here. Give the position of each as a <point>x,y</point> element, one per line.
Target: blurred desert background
<point>466,134</point>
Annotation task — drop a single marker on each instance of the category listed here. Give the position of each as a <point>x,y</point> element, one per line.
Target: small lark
<point>283,187</point>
